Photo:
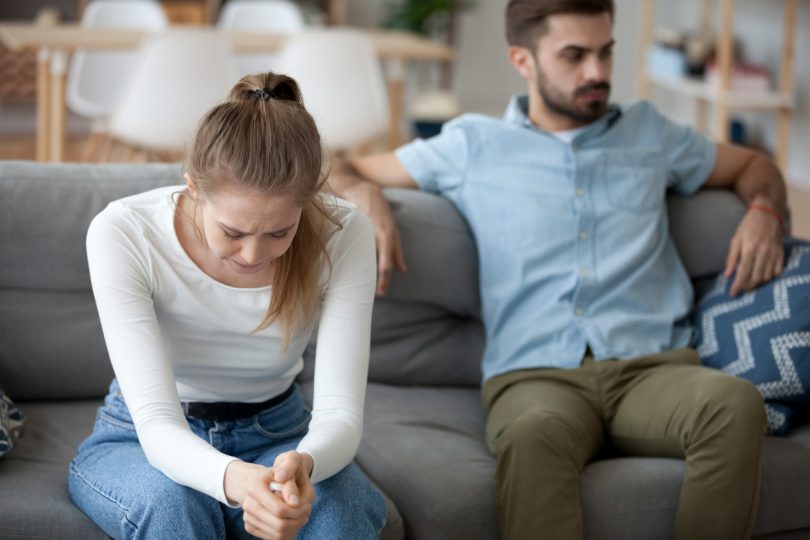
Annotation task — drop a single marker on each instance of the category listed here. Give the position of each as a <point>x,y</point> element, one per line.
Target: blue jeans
<point>111,481</point>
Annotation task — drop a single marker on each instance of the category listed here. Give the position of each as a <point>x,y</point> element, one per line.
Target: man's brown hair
<point>526,19</point>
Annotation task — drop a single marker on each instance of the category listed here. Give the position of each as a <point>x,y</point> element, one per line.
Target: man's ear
<point>523,60</point>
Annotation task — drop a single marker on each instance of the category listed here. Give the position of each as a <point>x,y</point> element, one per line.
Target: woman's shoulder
<point>149,205</point>
<point>136,215</point>
<point>349,219</point>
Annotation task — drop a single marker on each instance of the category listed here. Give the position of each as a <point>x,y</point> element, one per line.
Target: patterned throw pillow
<point>764,336</point>
<point>11,423</point>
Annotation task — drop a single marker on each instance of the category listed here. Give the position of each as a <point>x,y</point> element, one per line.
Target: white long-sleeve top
<point>176,334</point>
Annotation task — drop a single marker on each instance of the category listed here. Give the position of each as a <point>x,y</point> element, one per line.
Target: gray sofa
<point>423,443</point>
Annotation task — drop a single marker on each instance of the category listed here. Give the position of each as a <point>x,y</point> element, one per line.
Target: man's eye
<point>573,56</point>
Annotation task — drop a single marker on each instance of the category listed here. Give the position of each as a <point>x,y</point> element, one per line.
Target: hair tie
<point>261,93</point>
<point>281,92</point>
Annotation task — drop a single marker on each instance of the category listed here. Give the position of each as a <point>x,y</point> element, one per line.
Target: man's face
<point>572,65</point>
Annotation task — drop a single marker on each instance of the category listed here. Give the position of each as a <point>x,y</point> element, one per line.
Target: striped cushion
<point>764,336</point>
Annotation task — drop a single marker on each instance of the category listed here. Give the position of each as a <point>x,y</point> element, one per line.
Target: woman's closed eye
<point>233,235</point>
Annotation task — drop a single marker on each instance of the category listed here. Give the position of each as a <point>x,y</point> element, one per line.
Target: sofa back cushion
<point>51,345</point>
<point>427,331</point>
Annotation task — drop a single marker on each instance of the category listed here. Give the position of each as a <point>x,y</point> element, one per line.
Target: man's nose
<point>596,69</point>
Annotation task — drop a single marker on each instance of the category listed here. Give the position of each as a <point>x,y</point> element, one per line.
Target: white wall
<point>484,79</point>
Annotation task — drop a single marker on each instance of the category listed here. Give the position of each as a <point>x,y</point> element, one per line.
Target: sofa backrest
<point>51,345</point>
<point>425,331</point>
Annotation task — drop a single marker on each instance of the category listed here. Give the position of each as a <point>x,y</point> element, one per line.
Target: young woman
<point>208,294</point>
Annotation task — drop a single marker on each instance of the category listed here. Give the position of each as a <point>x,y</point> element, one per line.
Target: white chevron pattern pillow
<point>764,336</point>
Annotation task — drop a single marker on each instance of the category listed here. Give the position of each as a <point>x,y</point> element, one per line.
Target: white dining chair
<point>178,76</point>
<point>95,79</point>
<point>277,16</point>
<point>342,83</point>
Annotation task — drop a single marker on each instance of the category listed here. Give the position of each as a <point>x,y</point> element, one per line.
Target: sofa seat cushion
<point>34,501</point>
<point>425,448</point>
<point>764,336</point>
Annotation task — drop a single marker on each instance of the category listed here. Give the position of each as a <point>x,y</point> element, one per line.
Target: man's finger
<point>733,256</point>
<point>743,274</point>
<point>758,270</point>
<point>399,255</point>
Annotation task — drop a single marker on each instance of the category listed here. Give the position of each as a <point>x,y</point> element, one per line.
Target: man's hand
<point>756,251</point>
<point>272,515</point>
<point>360,181</point>
<point>369,198</point>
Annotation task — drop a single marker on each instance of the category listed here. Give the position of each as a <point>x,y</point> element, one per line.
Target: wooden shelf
<point>735,99</point>
<point>722,98</point>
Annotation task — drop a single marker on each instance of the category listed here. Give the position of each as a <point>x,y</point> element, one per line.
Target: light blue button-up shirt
<point>573,239</point>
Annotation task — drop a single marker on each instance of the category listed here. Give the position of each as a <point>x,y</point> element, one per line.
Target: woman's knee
<point>347,506</point>
<point>157,508</point>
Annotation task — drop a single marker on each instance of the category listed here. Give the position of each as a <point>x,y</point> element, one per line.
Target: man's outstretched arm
<point>360,181</point>
<point>756,248</point>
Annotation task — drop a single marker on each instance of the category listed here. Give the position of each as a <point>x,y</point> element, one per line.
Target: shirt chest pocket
<point>634,181</point>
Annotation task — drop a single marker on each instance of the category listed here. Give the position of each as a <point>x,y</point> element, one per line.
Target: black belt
<point>225,411</point>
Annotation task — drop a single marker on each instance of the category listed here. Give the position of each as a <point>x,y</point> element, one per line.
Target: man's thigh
<point>561,401</point>
<point>671,403</point>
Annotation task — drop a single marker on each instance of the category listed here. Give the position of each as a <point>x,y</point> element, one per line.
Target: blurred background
<point>739,71</point>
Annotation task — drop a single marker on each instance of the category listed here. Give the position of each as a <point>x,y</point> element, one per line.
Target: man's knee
<point>729,403</point>
<point>536,434</point>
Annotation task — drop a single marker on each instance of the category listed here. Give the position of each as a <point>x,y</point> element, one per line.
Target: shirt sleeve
<point>341,358</point>
<point>119,271</point>
<point>438,164</point>
<point>689,155</point>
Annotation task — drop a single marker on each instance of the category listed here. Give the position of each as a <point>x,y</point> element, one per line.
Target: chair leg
<point>90,149</point>
<point>105,149</point>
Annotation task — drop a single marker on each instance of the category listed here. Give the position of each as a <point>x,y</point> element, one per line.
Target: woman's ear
<point>191,187</point>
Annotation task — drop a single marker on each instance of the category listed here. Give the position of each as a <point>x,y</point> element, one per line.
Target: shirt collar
<point>518,109</point>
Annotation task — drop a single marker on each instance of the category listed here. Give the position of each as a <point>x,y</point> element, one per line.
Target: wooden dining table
<point>56,42</point>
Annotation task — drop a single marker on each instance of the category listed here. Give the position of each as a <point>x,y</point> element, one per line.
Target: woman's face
<point>245,230</point>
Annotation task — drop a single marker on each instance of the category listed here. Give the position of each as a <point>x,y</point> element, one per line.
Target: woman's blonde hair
<point>262,140</point>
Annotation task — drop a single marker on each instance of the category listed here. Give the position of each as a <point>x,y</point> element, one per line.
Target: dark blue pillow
<point>11,423</point>
<point>764,336</point>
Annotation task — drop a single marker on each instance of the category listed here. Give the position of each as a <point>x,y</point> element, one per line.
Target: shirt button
<point>583,235</point>
<point>580,192</point>
<point>583,272</point>
<point>578,312</point>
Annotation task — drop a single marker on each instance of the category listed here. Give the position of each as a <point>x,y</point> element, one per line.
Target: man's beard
<point>558,103</point>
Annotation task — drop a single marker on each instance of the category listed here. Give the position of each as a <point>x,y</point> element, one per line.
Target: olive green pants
<point>545,425</point>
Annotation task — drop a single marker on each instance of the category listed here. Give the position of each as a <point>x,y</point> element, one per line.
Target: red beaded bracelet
<point>772,212</point>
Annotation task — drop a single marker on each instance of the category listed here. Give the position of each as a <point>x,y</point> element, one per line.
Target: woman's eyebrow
<point>239,231</point>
